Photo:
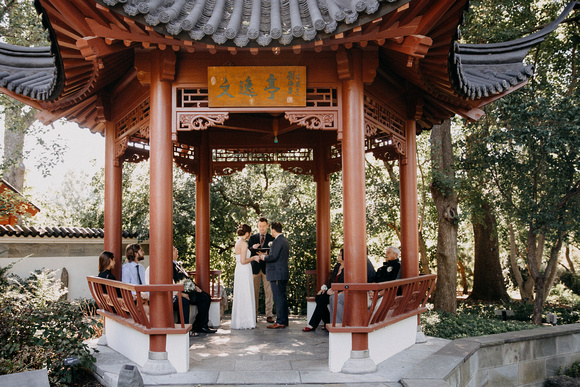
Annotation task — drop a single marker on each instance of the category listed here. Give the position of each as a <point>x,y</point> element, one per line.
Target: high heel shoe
<point>308,329</point>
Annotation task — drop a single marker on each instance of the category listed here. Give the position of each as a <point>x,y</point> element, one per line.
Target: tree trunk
<point>526,287</point>
<point>425,269</point>
<point>442,191</point>
<point>488,283</point>
<point>13,151</point>
<point>569,260</point>
<point>543,281</point>
<point>461,269</point>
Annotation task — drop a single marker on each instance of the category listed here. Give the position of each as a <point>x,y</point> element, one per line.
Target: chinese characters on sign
<point>257,86</point>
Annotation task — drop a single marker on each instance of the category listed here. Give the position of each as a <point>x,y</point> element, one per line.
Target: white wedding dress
<point>244,308</point>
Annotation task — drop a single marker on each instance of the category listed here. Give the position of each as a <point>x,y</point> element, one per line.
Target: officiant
<point>192,295</point>
<point>261,242</point>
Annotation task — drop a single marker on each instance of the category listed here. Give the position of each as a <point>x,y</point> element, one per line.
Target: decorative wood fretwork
<point>136,152</point>
<point>197,98</point>
<point>305,168</point>
<point>185,158</point>
<point>227,169</point>
<point>134,120</point>
<point>200,120</point>
<point>385,146</point>
<point>314,119</point>
<point>384,130</point>
<point>262,156</point>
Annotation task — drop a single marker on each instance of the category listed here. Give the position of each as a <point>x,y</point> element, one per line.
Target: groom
<point>277,274</point>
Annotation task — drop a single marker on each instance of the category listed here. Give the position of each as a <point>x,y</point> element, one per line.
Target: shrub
<point>470,320</point>
<point>571,280</point>
<point>39,330</point>
<point>574,370</point>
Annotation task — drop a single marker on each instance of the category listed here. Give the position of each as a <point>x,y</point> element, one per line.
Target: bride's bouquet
<point>188,285</point>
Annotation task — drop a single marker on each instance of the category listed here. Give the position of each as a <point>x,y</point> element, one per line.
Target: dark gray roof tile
<point>481,70</point>
<point>29,71</point>
<point>55,232</point>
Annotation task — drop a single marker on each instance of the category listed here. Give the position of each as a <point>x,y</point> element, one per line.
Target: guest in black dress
<point>322,298</point>
<point>106,264</point>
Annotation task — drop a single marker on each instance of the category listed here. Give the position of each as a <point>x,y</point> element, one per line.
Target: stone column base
<point>158,364</point>
<point>359,363</point>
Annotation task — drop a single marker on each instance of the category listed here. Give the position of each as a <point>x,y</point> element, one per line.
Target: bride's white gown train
<point>244,308</point>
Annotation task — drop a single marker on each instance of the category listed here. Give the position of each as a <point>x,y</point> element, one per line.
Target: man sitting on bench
<point>192,295</point>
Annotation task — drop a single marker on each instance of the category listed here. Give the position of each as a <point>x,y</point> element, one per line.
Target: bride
<point>244,308</point>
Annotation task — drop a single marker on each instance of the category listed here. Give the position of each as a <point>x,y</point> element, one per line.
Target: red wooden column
<point>322,215</point>
<point>113,198</point>
<point>202,220</point>
<point>161,190</point>
<point>409,216</point>
<point>354,203</point>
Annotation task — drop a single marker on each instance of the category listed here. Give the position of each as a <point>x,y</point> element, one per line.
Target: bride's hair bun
<point>243,229</point>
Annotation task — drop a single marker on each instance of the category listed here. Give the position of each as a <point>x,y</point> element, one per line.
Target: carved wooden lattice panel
<point>134,121</point>
<point>384,130</point>
<point>197,98</point>
<point>386,119</point>
<point>261,156</point>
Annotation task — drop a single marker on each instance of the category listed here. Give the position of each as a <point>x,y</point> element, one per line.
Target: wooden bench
<point>390,320</point>
<point>128,323</point>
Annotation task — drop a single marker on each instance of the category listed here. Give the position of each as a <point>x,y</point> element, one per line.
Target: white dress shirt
<point>129,273</point>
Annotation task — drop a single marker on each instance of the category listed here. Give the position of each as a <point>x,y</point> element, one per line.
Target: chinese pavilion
<point>213,85</point>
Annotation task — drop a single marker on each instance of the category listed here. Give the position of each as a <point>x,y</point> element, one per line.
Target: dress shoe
<point>308,329</point>
<point>207,330</point>
<point>270,320</point>
<point>276,326</point>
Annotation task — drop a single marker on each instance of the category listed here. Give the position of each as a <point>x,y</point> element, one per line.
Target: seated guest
<point>192,295</point>
<point>133,272</point>
<point>391,269</point>
<point>323,296</point>
<point>340,301</point>
<point>106,264</point>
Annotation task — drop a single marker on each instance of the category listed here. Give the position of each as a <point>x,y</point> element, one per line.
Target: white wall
<point>79,256</point>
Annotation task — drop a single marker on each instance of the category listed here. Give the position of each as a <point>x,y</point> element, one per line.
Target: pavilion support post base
<point>102,340</point>
<point>158,364</point>
<point>420,338</point>
<point>359,363</point>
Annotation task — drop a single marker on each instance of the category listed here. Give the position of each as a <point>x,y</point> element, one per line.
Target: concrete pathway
<point>266,357</point>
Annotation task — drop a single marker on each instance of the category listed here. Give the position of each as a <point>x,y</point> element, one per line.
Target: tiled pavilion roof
<point>243,22</point>
<point>90,49</point>
<point>56,232</point>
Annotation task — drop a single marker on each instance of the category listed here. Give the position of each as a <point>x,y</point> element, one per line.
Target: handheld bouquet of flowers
<point>188,285</point>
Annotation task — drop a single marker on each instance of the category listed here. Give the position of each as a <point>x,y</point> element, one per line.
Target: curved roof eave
<point>480,71</point>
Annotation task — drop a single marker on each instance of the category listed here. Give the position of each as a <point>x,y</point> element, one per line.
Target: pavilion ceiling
<point>93,45</point>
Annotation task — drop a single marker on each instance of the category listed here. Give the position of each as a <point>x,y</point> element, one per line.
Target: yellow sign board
<point>257,86</point>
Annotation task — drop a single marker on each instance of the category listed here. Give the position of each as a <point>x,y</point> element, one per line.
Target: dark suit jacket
<point>258,266</point>
<point>277,260</point>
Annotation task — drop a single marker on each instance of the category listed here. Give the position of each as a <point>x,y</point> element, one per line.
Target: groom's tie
<point>262,240</point>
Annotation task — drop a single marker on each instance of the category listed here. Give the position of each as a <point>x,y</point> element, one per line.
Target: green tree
<point>21,25</point>
<point>531,154</point>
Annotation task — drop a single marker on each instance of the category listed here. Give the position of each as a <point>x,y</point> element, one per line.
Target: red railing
<point>215,281</point>
<point>125,304</point>
<point>391,302</point>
